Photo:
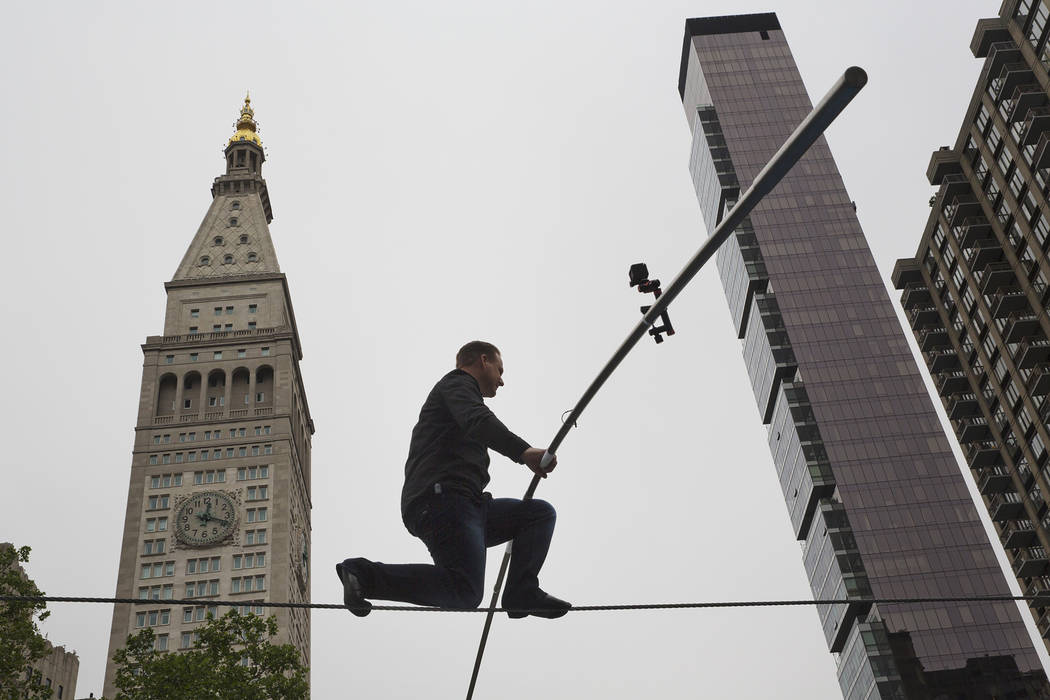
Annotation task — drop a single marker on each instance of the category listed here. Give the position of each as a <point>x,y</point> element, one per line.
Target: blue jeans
<point>457,530</point>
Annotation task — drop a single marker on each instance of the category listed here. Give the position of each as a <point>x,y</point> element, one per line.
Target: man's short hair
<point>472,352</point>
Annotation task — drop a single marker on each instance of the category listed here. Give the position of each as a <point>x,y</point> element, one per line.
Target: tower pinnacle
<point>247,127</point>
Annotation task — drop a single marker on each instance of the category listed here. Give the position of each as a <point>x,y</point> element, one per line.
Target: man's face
<point>491,375</point>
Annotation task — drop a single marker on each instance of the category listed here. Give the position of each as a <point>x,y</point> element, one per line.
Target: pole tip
<point>856,77</point>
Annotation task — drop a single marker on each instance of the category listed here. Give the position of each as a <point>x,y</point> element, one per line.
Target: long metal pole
<point>804,136</point>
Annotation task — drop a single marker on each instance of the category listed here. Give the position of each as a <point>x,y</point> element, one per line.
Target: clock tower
<point>219,491</point>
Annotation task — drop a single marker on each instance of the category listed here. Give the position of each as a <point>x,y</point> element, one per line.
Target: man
<point>443,504</point>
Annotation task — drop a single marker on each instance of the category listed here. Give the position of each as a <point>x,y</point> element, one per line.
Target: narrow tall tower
<point>219,495</point>
<point>871,485</point>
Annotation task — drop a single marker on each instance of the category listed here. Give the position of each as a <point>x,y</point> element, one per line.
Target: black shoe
<point>540,605</point>
<point>353,594</point>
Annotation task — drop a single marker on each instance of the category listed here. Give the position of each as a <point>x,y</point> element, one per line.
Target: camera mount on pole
<point>639,275</point>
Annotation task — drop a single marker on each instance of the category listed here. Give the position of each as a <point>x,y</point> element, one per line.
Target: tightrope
<point>578,608</point>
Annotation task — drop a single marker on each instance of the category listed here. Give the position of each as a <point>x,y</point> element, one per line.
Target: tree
<point>21,644</point>
<point>234,658</point>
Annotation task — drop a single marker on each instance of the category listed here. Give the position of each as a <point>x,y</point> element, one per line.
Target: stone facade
<point>222,411</point>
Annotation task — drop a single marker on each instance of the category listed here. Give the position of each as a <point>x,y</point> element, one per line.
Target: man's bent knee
<point>543,510</point>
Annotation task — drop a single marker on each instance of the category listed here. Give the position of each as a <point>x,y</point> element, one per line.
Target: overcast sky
<point>441,172</point>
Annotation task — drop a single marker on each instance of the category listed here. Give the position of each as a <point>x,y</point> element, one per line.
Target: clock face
<point>205,518</point>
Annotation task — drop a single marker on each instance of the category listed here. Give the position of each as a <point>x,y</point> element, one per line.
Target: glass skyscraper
<point>976,291</point>
<point>871,485</point>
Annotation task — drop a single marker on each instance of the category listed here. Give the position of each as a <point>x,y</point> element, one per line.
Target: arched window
<point>216,392</point>
<point>264,386</point>
<point>233,221</point>
<point>218,240</point>
<point>252,257</point>
<point>227,260</point>
<point>235,205</point>
<point>205,260</point>
<point>243,239</point>
<point>166,391</point>
<point>241,389</point>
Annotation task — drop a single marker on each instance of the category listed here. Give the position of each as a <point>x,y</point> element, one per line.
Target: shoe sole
<point>353,601</point>
<point>547,614</point>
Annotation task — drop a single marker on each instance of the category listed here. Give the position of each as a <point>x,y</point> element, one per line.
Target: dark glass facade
<point>976,291</point>
<point>872,488</point>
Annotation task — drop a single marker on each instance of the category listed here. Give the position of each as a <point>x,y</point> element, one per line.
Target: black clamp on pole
<point>639,275</point>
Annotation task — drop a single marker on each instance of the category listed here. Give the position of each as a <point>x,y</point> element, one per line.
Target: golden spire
<point>246,124</point>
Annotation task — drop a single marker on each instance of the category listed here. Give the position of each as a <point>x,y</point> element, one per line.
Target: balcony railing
<point>934,339</point>
<point>942,360</point>
<point>1011,76</point>
<point>1035,124</point>
<point>962,207</point>
<point>924,317</point>
<point>1032,352</point>
<point>965,406</point>
<point>983,253</point>
<point>997,275</point>
<point>995,480</point>
<point>983,455</point>
<point>1039,380</point>
<point>915,296</point>
<point>1008,301</point>
<point>972,229</point>
<point>973,430</point>
<point>1021,325</point>
<point>1041,159</point>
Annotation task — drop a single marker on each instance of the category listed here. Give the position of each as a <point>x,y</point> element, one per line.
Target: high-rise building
<point>872,488</point>
<point>976,291</point>
<point>219,491</point>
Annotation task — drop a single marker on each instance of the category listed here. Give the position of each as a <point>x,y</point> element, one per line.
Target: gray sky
<point>440,172</point>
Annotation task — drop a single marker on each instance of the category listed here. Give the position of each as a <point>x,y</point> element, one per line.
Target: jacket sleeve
<point>464,402</point>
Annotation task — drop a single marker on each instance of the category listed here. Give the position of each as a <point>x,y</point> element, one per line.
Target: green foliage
<point>234,659</point>
<point>21,644</point>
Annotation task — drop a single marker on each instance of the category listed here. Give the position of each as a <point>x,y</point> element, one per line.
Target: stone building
<point>219,488</point>
<point>976,292</point>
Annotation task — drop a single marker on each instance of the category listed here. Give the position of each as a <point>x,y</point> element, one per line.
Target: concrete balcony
<point>975,430</point>
<point>1004,511</point>
<point>973,229</point>
<point>1030,565</point>
<point>934,339</point>
<point>1025,98</point>
<point>964,408</point>
<point>955,185</point>
<point>1041,159</point>
<point>1039,381</point>
<point>953,383</point>
<point>942,360</point>
<point>943,162</point>
<point>1015,537</point>
<point>924,317</point>
<point>1032,352</point>
<point>983,253</point>
<point>981,456</point>
<point>1001,53</point>
<point>1012,76</point>
<point>906,272</point>
<point>997,275</point>
<point>995,482</point>
<point>1022,325</point>
<point>915,297</point>
<point>1037,590</point>
<point>961,208</point>
<point>1008,301</point>
<point>1036,123</point>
